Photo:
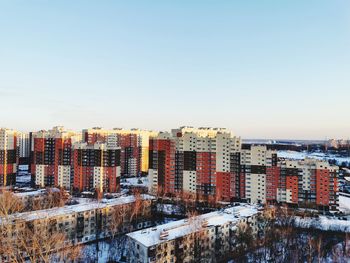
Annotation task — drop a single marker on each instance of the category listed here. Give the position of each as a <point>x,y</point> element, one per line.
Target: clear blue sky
<point>265,69</point>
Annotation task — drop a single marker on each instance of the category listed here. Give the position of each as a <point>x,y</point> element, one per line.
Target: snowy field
<point>321,156</point>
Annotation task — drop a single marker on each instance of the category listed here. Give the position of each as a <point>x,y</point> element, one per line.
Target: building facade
<point>51,160</point>
<point>134,145</point>
<point>8,157</point>
<point>262,177</point>
<point>84,222</point>
<point>23,145</point>
<point>309,183</point>
<point>96,166</point>
<point>194,161</point>
<point>213,164</point>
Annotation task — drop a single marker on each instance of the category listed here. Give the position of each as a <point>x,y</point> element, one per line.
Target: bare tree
<point>137,206</point>
<point>243,238</point>
<point>36,241</point>
<point>118,217</point>
<point>9,203</point>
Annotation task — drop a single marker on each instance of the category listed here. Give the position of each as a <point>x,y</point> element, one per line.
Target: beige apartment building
<point>85,222</point>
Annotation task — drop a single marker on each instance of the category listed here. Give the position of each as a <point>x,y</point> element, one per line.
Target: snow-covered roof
<point>66,210</point>
<point>35,193</point>
<point>151,236</point>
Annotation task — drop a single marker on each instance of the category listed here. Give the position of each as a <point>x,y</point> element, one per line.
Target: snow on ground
<point>316,155</point>
<point>169,209</point>
<point>135,181</point>
<point>344,204</point>
<point>323,223</point>
<point>22,179</point>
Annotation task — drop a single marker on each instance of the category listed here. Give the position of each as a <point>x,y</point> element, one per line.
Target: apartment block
<point>161,173</point>
<point>23,145</point>
<point>262,177</point>
<point>194,161</point>
<point>310,183</point>
<point>84,222</point>
<point>134,145</point>
<point>207,237</point>
<point>51,161</point>
<point>8,157</point>
<point>256,176</point>
<point>96,167</point>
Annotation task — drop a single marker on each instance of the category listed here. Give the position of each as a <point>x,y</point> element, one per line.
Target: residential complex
<point>205,164</point>
<point>206,237</point>
<point>92,160</point>
<point>210,163</point>
<point>8,157</point>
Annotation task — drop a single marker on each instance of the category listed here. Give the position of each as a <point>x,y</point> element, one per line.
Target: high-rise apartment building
<point>255,172</point>
<point>309,182</point>
<point>8,157</point>
<point>23,140</point>
<point>161,173</point>
<point>51,161</point>
<point>194,161</point>
<point>261,177</point>
<point>134,145</point>
<point>96,167</point>
<point>211,163</point>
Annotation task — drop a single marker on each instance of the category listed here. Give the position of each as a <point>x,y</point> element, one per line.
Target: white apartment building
<point>255,160</point>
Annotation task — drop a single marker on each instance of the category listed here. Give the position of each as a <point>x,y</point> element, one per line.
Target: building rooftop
<point>32,193</point>
<point>152,236</point>
<point>83,207</point>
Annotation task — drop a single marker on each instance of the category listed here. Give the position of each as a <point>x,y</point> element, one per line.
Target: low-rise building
<point>88,221</point>
<point>206,236</point>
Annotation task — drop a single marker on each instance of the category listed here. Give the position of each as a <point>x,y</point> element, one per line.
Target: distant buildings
<point>206,164</point>
<point>8,157</point>
<point>333,143</point>
<point>211,164</point>
<point>205,237</point>
<point>23,145</point>
<point>92,160</point>
<point>134,145</point>
<point>310,183</point>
